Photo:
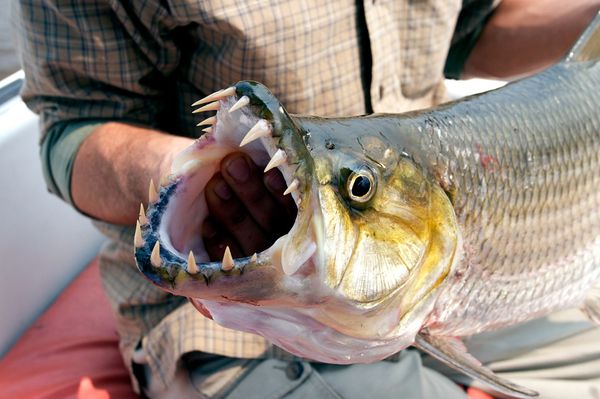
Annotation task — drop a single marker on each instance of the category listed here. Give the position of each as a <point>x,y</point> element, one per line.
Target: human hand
<point>247,208</point>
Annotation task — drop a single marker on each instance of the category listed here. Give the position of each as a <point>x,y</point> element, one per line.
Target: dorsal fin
<point>587,47</point>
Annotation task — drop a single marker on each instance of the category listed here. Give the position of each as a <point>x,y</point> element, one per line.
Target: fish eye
<point>361,186</point>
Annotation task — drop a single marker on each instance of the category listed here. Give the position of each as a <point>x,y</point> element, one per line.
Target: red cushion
<point>71,351</point>
<point>475,393</point>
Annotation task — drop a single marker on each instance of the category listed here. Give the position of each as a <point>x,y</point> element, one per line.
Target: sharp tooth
<point>217,95</point>
<point>208,121</point>
<point>278,159</point>
<point>227,260</point>
<point>138,241</point>
<point>242,102</point>
<point>192,267</point>
<point>189,167</point>
<point>230,91</point>
<point>183,157</point>
<point>254,258</point>
<point>209,98</point>
<point>152,193</point>
<point>214,106</point>
<point>208,129</point>
<point>142,216</point>
<point>155,256</point>
<point>304,256</point>
<point>260,129</point>
<point>292,187</point>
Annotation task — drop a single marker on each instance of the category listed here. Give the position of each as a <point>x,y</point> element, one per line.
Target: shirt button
<point>294,370</point>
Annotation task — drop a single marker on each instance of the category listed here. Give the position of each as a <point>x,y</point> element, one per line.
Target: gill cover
<point>390,235</point>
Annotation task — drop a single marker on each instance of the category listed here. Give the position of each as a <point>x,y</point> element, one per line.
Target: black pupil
<point>361,186</point>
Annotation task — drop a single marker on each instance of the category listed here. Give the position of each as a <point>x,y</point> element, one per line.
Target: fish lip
<point>174,272</point>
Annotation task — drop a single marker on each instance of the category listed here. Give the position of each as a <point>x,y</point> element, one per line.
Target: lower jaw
<point>296,330</point>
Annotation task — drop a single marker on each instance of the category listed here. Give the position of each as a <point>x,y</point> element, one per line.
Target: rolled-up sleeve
<point>87,62</point>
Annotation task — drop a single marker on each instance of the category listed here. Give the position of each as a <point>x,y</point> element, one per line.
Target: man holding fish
<point>113,82</point>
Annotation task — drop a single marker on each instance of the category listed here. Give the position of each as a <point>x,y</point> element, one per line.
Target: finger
<point>216,241</point>
<point>246,180</point>
<point>231,217</point>
<point>275,183</point>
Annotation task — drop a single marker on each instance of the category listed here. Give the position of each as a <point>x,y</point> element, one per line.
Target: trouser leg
<point>274,379</point>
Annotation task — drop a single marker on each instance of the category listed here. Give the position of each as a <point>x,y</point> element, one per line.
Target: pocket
<point>276,379</point>
<point>214,376</point>
<point>428,28</point>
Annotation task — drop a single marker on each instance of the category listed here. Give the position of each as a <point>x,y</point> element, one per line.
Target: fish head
<point>356,276</point>
<point>388,234</point>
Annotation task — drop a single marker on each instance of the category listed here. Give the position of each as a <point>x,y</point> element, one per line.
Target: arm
<point>95,152</point>
<point>113,168</point>
<point>525,36</point>
<point>83,70</point>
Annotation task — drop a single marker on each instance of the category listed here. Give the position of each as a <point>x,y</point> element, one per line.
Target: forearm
<point>113,168</point>
<point>525,36</point>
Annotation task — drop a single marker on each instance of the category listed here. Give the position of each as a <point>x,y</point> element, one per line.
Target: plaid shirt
<point>147,61</point>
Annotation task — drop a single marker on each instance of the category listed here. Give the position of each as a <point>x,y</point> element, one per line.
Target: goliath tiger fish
<point>412,229</point>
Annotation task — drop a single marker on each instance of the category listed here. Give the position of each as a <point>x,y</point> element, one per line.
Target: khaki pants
<point>559,356</point>
<point>273,379</point>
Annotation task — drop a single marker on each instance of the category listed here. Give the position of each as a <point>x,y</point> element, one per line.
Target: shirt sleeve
<point>95,59</point>
<point>58,151</point>
<point>471,21</point>
<point>89,62</point>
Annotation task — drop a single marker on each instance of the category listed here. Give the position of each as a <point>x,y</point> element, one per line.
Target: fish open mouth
<point>168,244</point>
<point>356,274</point>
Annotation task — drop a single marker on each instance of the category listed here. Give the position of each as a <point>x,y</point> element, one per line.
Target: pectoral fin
<point>453,352</point>
<point>591,306</point>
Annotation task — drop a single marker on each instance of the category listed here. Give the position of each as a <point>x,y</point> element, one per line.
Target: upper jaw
<point>250,119</point>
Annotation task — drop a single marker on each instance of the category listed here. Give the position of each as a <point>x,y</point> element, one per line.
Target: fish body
<point>525,195</point>
<point>520,166</point>
<point>412,229</point>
